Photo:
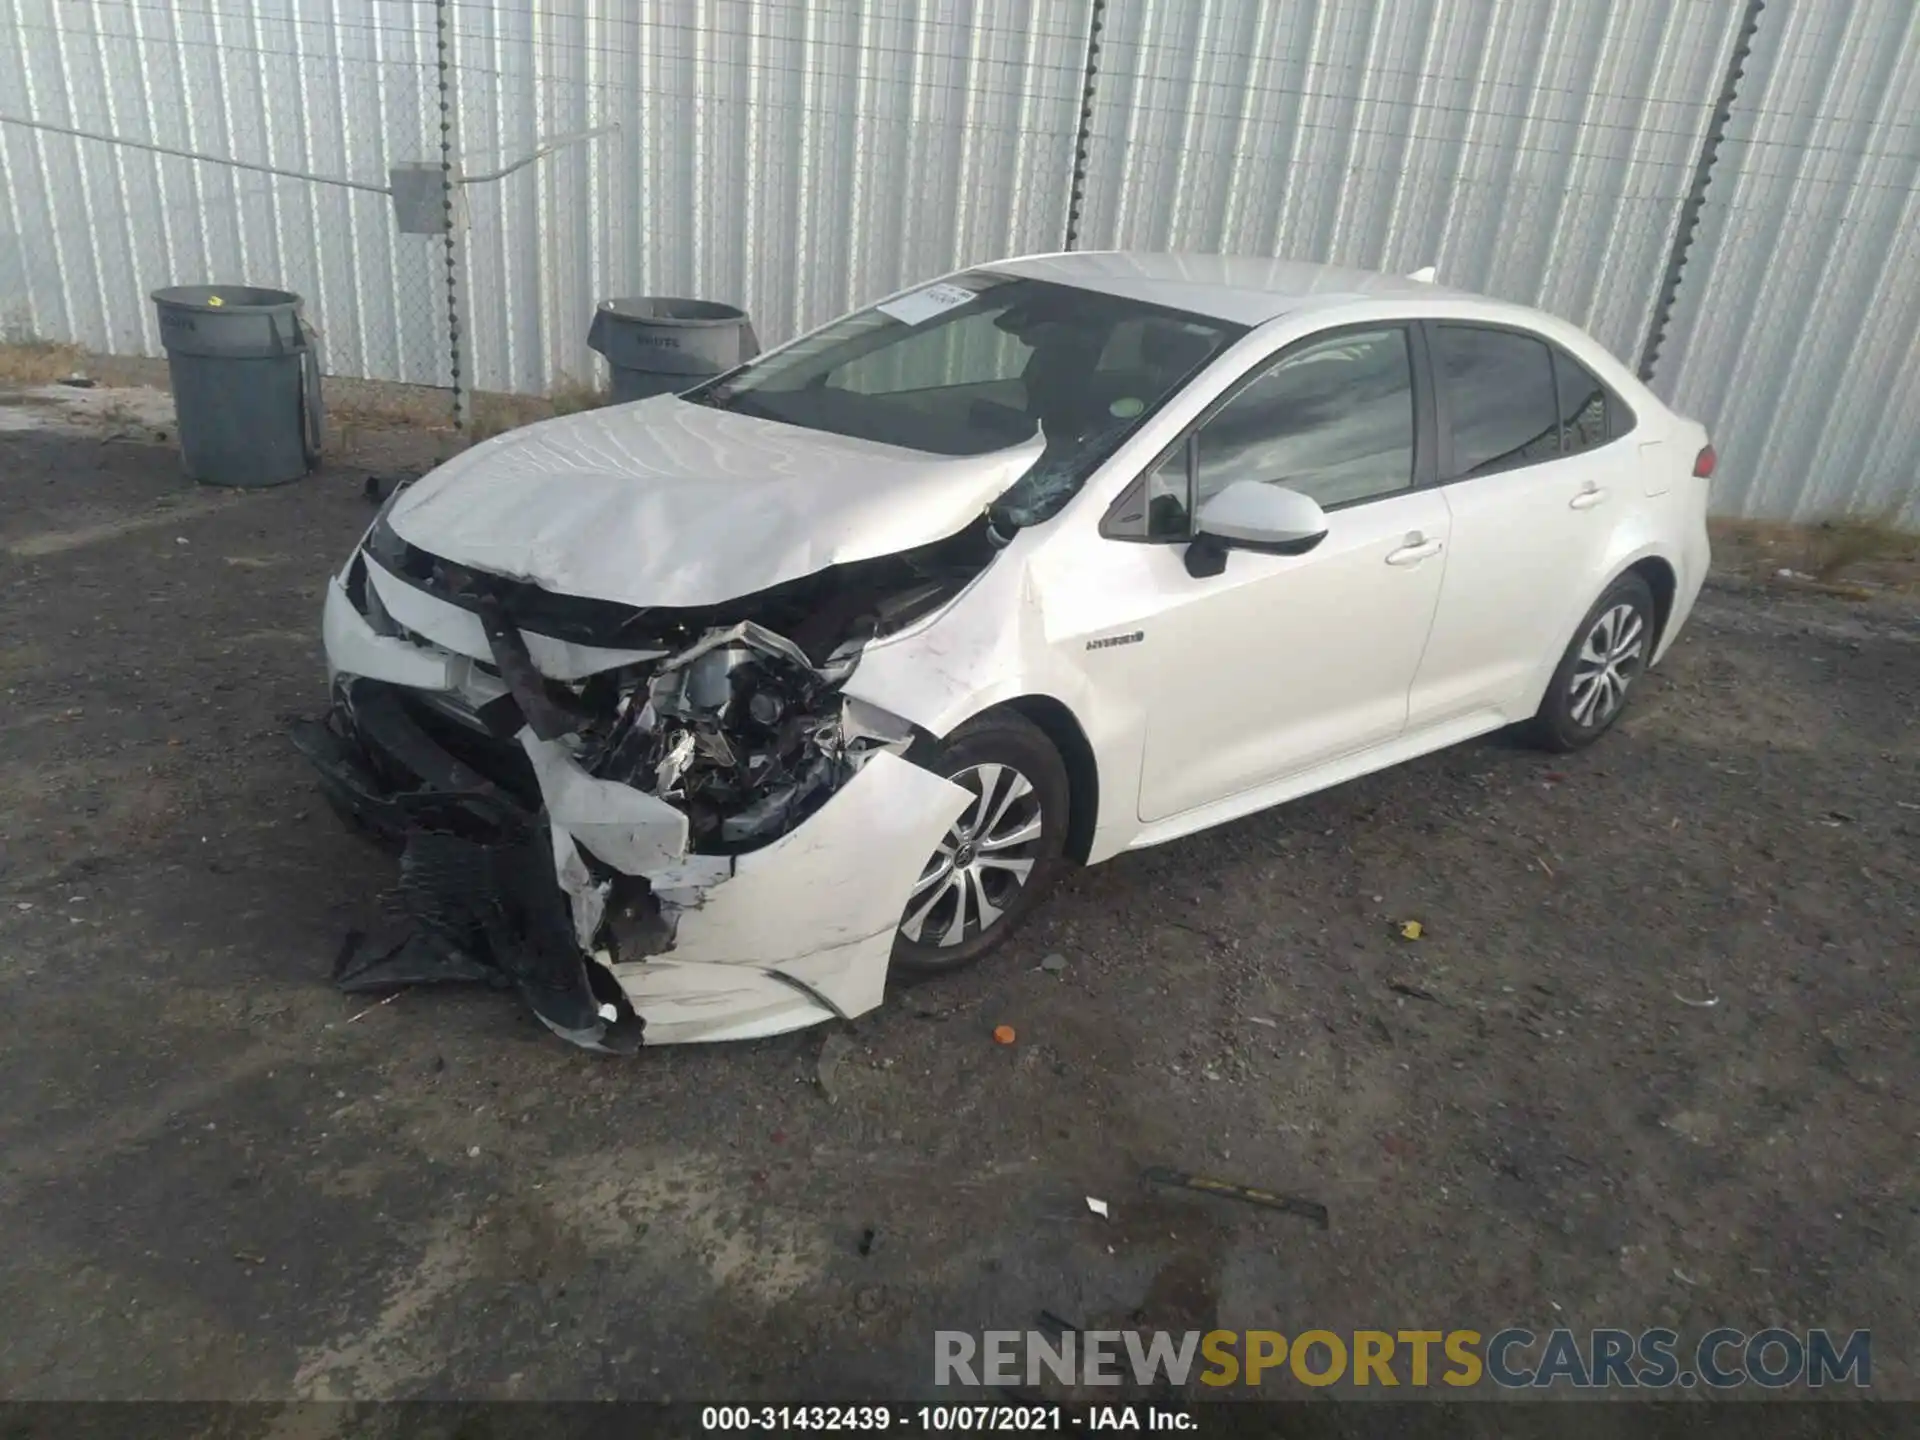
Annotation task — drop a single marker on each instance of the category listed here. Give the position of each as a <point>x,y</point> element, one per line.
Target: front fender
<point>995,646</point>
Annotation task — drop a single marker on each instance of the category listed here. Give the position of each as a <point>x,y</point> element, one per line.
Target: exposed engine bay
<point>555,833</point>
<point>741,730</point>
<point>734,714</point>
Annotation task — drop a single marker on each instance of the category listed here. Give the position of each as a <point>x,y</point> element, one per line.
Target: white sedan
<point>701,717</point>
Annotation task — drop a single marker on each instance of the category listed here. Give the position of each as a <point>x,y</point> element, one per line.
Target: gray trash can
<point>658,346</point>
<point>246,383</point>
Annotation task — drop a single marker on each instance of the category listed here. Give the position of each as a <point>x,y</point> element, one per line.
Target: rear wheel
<point>1608,653</point>
<point>999,858</point>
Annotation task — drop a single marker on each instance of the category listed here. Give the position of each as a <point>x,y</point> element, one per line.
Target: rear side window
<point>1584,404</point>
<point>1497,389</point>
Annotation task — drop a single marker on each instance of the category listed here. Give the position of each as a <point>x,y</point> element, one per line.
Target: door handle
<point>1591,496</point>
<point>1414,551</point>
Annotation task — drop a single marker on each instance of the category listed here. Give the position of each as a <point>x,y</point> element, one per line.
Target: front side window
<point>1166,496</point>
<point>1497,390</point>
<point>983,362</point>
<point>1332,419</point>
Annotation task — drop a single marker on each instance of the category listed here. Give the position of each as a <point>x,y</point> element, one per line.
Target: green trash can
<point>657,345</point>
<point>246,383</point>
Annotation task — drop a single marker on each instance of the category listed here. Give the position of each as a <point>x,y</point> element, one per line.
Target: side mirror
<point>1252,515</point>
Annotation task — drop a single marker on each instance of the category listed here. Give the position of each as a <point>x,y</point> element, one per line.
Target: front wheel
<point>999,858</point>
<point>1609,651</point>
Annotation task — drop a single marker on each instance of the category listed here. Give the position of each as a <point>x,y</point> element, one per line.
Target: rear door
<point>1534,482</point>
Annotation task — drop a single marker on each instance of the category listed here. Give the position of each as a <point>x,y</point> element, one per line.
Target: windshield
<point>979,363</point>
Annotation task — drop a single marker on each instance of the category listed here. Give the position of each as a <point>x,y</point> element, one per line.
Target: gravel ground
<point>1651,1062</point>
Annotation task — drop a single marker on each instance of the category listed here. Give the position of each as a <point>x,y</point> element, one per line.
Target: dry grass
<point>32,361</point>
<point>358,411</point>
<point>365,416</point>
<point>494,414</point>
<point>490,414</point>
<point>571,395</point>
<point>1850,556</point>
<point>371,404</point>
<point>1837,546</point>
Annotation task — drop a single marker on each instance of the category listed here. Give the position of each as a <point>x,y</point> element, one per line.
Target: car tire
<point>1607,655</point>
<point>999,858</point>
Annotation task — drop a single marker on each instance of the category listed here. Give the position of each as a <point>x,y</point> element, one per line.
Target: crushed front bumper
<point>478,898</point>
<point>520,868</point>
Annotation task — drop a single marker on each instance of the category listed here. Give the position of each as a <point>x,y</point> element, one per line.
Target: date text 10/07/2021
<point>917,1419</point>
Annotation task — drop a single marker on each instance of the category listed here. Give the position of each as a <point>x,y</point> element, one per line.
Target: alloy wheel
<point>1610,658</point>
<point>981,863</point>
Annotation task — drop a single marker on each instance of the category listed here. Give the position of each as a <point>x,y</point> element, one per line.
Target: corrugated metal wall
<point>1535,151</point>
<point>794,158</point>
<point>1797,331</point>
<point>88,229</point>
<point>801,156</point>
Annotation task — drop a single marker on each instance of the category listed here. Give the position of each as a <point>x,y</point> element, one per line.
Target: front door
<point>1281,663</point>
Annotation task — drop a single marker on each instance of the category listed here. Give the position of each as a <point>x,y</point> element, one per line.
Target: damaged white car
<point>702,717</point>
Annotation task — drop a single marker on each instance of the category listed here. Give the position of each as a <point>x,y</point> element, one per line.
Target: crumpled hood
<point>664,502</point>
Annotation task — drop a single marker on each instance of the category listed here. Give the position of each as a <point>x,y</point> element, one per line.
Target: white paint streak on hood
<point>664,502</point>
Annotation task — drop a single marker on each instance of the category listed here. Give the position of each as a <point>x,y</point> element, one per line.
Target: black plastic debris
<point>402,960</point>
<point>499,905</point>
<point>546,714</point>
<point>1054,1326</point>
<point>1292,1204</point>
<point>478,900</point>
<point>350,944</point>
<point>380,488</point>
<point>867,1238</point>
<point>1412,992</point>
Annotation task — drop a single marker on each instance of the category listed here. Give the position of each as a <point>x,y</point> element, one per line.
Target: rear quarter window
<point>1591,411</point>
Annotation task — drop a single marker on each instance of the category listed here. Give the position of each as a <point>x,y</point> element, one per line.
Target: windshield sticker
<point>923,305</point>
<point>1126,407</point>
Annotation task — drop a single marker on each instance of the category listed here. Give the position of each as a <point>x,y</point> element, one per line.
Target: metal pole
<point>148,145</point>
<point>1697,192</point>
<point>1088,81</point>
<point>560,142</point>
<point>443,20</point>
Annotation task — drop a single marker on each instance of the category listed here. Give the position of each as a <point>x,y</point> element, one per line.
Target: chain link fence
<point>213,142</point>
<point>801,157</point>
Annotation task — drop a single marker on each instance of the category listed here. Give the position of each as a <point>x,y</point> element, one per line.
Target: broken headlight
<point>740,731</point>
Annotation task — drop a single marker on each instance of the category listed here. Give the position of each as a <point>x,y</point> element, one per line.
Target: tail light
<point>1703,463</point>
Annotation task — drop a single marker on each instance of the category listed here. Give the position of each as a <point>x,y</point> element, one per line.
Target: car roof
<point>1247,289</point>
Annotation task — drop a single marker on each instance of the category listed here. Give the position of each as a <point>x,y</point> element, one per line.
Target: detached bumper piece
<point>478,900</point>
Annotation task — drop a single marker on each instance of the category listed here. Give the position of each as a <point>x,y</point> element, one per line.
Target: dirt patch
<point>380,1358</point>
